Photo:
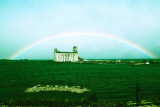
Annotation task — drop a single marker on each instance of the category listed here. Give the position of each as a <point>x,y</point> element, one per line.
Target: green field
<point>111,82</point>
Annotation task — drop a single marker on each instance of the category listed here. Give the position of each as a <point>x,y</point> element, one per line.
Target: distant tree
<point>144,61</point>
<point>151,61</point>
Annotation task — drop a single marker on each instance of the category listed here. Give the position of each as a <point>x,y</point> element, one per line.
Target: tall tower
<point>55,50</point>
<point>75,49</point>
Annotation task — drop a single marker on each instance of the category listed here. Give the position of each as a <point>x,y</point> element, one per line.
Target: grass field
<point>111,82</point>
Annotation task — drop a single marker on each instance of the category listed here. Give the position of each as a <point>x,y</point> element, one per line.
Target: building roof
<point>66,52</point>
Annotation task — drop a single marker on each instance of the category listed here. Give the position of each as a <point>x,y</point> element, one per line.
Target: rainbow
<point>75,34</point>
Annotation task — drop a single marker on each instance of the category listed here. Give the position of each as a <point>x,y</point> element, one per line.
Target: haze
<point>23,22</point>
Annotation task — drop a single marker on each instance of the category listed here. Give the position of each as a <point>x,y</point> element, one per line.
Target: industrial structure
<point>66,56</point>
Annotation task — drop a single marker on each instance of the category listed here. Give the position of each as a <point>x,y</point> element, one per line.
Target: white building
<point>66,56</point>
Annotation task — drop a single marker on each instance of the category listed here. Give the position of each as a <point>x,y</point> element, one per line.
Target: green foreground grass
<point>109,84</point>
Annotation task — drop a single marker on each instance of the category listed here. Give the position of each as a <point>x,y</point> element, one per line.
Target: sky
<point>26,22</point>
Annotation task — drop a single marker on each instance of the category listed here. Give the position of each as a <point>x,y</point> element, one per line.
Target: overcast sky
<point>23,22</point>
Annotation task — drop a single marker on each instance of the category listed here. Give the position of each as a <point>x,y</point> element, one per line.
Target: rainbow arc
<point>79,34</point>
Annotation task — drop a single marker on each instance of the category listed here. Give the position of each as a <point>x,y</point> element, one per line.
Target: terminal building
<point>66,56</point>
